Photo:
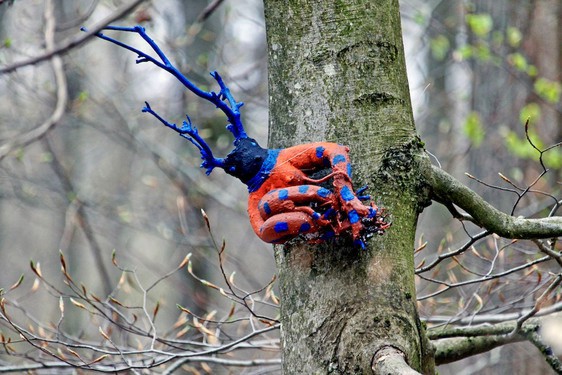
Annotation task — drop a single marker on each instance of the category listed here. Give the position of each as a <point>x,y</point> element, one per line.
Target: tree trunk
<point>337,73</point>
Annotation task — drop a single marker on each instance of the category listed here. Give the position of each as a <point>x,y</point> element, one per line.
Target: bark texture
<point>337,73</point>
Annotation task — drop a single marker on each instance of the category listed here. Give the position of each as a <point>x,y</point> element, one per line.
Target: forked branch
<point>222,100</point>
<point>446,189</point>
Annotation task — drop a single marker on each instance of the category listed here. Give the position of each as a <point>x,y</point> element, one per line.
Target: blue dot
<point>320,151</point>
<point>305,227</point>
<point>323,192</point>
<point>339,159</point>
<point>347,194</point>
<point>353,216</point>
<point>281,227</point>
<point>283,194</point>
<point>349,169</point>
<point>266,208</point>
<point>303,189</point>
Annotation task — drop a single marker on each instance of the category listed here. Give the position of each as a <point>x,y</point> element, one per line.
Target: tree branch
<point>457,343</point>
<point>458,348</point>
<point>460,342</point>
<point>490,318</point>
<point>545,350</point>
<point>447,189</point>
<point>389,360</point>
<point>67,45</point>
<point>505,328</point>
<point>61,91</point>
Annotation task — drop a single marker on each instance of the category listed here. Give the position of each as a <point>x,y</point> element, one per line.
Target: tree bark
<point>337,73</point>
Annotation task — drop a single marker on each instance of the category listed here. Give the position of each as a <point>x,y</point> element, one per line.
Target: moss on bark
<point>337,73</point>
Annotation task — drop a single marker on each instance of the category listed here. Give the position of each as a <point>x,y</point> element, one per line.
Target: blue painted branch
<point>231,108</point>
<point>189,132</point>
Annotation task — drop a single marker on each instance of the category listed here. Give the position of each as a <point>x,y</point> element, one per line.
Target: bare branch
<point>449,285</point>
<point>504,328</point>
<point>545,350</point>
<point>461,342</point>
<point>83,220</point>
<point>490,318</point>
<point>61,87</point>
<point>390,360</point>
<point>68,45</point>
<point>553,285</point>
<point>456,343</point>
<point>453,253</point>
<point>447,189</point>
<point>455,349</point>
<point>209,9</point>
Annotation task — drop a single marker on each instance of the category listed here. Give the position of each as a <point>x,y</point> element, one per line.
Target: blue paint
<point>362,189</point>
<point>305,227</point>
<point>283,194</point>
<point>281,227</point>
<point>320,151</point>
<point>339,158</point>
<point>303,189</point>
<point>329,212</point>
<point>323,192</point>
<point>316,216</point>
<point>353,216</point>
<point>372,213</point>
<point>349,170</point>
<point>347,194</point>
<point>266,208</point>
<point>256,182</point>
<point>359,243</point>
<point>359,194</point>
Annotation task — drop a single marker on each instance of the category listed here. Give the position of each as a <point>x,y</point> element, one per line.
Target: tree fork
<point>337,73</point>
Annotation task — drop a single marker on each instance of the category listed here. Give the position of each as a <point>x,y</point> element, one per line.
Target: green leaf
<point>439,47</point>
<point>473,129</point>
<point>482,52</point>
<point>518,61</point>
<point>514,36</point>
<point>548,90</point>
<point>83,96</point>
<point>480,24</point>
<point>532,70</point>
<point>465,51</point>
<point>420,18</point>
<point>520,147</point>
<point>7,43</point>
<point>530,111</point>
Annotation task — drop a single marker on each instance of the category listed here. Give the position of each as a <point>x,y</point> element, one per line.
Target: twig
<point>538,303</point>
<point>83,219</point>
<point>478,280</point>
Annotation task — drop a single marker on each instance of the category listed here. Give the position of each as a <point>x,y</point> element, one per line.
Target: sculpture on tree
<point>289,189</point>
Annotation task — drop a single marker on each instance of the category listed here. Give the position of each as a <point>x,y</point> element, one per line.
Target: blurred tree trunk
<point>337,73</point>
